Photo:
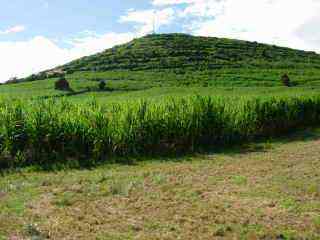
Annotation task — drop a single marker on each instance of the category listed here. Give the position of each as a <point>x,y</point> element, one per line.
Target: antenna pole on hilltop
<point>154,23</point>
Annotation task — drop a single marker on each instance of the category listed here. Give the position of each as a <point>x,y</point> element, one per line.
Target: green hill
<point>184,52</point>
<point>179,59</point>
<point>177,64</point>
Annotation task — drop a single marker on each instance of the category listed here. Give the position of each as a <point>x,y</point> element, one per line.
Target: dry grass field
<point>266,190</point>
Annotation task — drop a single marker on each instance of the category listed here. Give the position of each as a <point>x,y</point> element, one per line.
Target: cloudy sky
<point>39,34</point>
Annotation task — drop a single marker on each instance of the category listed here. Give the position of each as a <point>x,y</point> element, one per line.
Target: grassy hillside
<point>183,60</point>
<point>123,91</point>
<point>184,52</point>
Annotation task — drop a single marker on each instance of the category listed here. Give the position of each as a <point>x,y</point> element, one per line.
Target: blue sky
<point>60,19</point>
<point>41,34</point>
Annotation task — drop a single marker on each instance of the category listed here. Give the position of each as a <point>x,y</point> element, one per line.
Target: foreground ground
<point>268,190</point>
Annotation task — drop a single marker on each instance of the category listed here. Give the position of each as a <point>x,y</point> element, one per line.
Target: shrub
<point>62,84</point>
<point>102,85</point>
<point>286,80</point>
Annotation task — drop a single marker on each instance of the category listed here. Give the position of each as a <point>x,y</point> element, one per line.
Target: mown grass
<point>264,190</point>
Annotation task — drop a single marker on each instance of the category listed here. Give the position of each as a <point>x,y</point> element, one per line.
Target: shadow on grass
<point>264,144</point>
<point>71,92</point>
<point>260,145</point>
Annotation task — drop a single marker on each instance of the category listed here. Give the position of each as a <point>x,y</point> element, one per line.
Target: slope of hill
<point>181,52</point>
<point>179,59</point>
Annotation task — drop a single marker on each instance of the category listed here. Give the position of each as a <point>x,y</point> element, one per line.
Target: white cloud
<point>22,58</point>
<point>283,22</point>
<point>308,32</point>
<point>147,20</point>
<point>97,43</point>
<point>265,21</point>
<point>25,57</point>
<point>200,8</point>
<point>14,29</point>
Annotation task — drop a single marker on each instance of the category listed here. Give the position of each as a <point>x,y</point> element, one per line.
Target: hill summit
<point>216,58</point>
<point>174,51</point>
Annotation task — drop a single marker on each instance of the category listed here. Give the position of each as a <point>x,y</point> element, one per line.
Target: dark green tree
<point>62,84</point>
<point>102,85</point>
<point>286,80</point>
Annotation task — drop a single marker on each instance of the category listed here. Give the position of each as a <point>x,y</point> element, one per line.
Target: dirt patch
<point>2,195</point>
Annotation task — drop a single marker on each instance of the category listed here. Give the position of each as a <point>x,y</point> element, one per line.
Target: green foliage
<point>47,132</point>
